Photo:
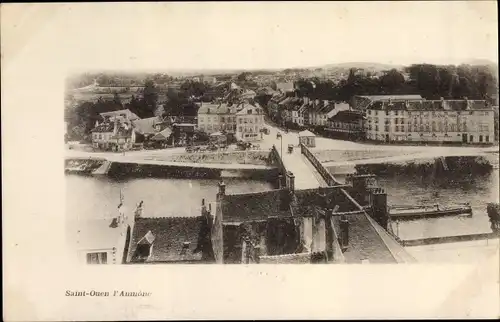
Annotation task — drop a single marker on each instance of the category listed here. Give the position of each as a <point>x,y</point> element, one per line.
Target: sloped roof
<point>252,206</point>
<point>392,97</point>
<point>131,115</point>
<point>163,135</point>
<point>243,108</point>
<point>209,108</point>
<point>451,105</point>
<point>365,242</point>
<point>171,234</point>
<point>146,126</point>
<point>104,127</point>
<point>347,116</point>
<point>306,133</point>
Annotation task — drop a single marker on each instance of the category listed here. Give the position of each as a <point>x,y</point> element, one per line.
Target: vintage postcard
<point>212,152</point>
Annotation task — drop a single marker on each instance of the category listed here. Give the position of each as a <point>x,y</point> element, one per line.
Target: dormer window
<point>144,247</point>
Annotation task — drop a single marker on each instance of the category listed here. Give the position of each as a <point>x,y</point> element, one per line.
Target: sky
<point>253,35</point>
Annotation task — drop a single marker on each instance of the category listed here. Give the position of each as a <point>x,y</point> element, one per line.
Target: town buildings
<point>302,111</point>
<point>216,118</point>
<point>280,226</point>
<point>446,121</point>
<point>361,102</point>
<point>121,130</point>
<point>115,131</point>
<point>244,119</point>
<point>347,125</point>
<point>249,122</point>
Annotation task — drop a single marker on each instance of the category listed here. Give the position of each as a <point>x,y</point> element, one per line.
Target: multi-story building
<point>249,122</point>
<point>459,121</point>
<point>116,131</point>
<point>217,117</point>
<point>346,124</point>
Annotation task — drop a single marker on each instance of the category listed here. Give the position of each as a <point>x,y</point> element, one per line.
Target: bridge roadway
<point>306,176</point>
<point>219,166</point>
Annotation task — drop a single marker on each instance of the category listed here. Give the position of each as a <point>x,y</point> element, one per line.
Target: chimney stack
<point>222,188</point>
<point>203,207</point>
<point>291,177</point>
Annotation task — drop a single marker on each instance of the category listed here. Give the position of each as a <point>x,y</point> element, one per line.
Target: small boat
<point>417,212</point>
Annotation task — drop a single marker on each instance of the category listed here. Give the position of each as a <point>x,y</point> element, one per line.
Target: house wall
<point>211,123</point>
<point>248,126</point>
<point>431,126</point>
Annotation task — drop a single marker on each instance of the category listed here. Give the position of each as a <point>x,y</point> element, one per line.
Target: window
<point>97,258</point>
<point>397,128</point>
<point>240,129</point>
<point>487,138</point>
<point>201,119</point>
<point>241,121</point>
<point>223,119</point>
<point>376,128</point>
<point>471,138</point>
<point>480,138</point>
<point>249,112</point>
<point>387,128</point>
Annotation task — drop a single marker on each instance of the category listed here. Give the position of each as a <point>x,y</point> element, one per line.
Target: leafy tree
<point>150,97</point>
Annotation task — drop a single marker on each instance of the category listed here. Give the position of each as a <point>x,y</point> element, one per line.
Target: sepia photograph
<point>246,134</point>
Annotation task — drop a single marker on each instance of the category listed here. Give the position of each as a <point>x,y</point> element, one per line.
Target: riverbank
<point>135,170</point>
<point>460,166</point>
<point>240,157</point>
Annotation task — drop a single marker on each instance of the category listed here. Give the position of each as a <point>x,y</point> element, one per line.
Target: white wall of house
<point>431,126</point>
<point>249,126</point>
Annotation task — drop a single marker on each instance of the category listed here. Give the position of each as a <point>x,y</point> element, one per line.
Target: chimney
<point>306,100</point>
<point>292,182</point>
<point>222,188</point>
<point>203,207</point>
<point>138,210</point>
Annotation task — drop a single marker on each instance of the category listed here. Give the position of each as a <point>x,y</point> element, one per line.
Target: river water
<point>92,197</point>
<point>98,197</point>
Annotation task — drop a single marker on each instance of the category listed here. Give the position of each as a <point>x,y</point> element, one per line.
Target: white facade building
<point>458,121</point>
<point>249,122</point>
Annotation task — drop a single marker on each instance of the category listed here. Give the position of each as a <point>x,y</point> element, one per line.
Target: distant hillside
<point>363,65</point>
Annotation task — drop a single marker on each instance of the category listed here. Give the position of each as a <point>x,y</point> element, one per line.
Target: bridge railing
<point>275,157</point>
<point>325,174</point>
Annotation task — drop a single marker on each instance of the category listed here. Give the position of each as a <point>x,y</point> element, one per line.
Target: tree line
<point>81,118</point>
<point>429,81</point>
